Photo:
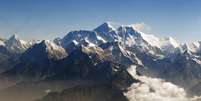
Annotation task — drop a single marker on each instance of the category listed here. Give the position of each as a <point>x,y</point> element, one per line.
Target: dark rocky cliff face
<point>112,89</point>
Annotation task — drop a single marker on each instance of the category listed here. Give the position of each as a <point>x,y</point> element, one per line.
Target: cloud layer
<point>154,89</point>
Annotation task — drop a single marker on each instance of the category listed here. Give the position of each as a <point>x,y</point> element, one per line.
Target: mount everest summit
<point>121,61</point>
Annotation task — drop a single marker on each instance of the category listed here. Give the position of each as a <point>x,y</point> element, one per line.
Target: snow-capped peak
<point>107,32</point>
<point>45,49</point>
<point>51,46</point>
<point>132,36</point>
<point>53,50</point>
<point>16,45</point>
<point>172,41</point>
<point>80,37</point>
<point>192,47</point>
<point>164,44</point>
<point>14,37</point>
<point>2,42</point>
<point>105,27</point>
<point>126,34</point>
<point>159,42</point>
<point>151,39</point>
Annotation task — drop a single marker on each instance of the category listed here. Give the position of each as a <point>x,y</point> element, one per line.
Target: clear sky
<point>46,19</point>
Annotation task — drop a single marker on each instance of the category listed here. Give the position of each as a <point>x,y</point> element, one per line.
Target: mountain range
<point>105,64</point>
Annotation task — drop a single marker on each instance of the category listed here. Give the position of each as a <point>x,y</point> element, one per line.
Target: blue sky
<point>47,19</point>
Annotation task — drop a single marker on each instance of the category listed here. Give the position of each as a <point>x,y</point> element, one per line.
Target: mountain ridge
<point>105,55</point>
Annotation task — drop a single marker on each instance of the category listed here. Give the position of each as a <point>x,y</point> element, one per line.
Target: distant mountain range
<point>87,64</point>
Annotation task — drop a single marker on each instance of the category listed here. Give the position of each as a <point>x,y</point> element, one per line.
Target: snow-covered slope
<point>162,43</point>
<point>116,53</point>
<point>168,45</point>
<point>80,37</point>
<point>51,47</point>
<point>106,32</point>
<point>193,47</point>
<point>44,50</point>
<point>130,36</point>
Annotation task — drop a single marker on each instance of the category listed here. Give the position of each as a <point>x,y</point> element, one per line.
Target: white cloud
<point>139,26</point>
<point>154,89</point>
<point>142,27</point>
